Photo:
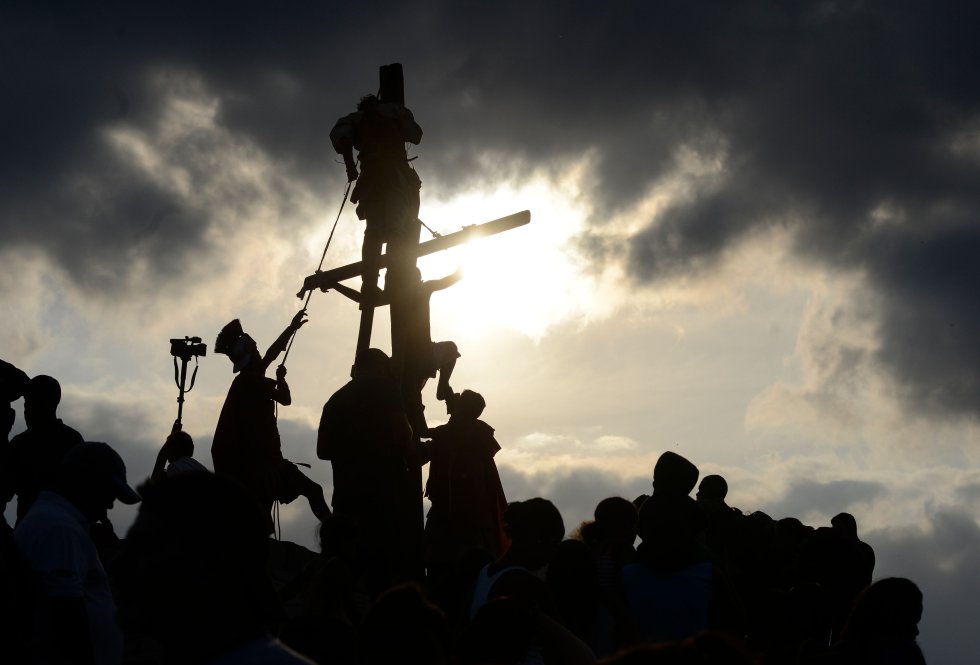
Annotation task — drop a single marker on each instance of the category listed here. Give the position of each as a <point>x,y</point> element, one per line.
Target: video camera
<point>187,348</point>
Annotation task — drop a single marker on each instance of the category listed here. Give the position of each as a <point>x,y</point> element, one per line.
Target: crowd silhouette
<point>479,580</point>
<point>664,578</point>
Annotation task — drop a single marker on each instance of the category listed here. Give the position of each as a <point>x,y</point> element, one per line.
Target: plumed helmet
<point>236,344</point>
<point>228,336</point>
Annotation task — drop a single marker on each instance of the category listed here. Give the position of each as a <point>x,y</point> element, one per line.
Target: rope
<point>435,234</point>
<point>319,267</point>
<point>277,525</point>
<point>309,294</point>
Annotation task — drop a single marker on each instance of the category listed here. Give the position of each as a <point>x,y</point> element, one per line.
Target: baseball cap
<point>103,464</point>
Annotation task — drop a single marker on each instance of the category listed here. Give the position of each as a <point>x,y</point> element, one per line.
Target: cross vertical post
<point>387,196</point>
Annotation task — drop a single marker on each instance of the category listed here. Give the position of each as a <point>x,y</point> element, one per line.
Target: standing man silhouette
<point>246,443</point>
<point>35,453</point>
<point>415,357</point>
<point>366,436</point>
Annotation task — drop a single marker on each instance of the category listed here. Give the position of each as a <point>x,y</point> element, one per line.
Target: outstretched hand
<point>298,320</point>
<point>313,282</point>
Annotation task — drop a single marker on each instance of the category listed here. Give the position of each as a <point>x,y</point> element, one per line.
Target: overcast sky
<point>753,240</point>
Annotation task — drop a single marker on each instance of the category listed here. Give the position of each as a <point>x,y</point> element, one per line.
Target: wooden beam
<point>467,233</point>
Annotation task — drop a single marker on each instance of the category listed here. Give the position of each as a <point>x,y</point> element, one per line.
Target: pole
<point>365,327</point>
<point>181,382</point>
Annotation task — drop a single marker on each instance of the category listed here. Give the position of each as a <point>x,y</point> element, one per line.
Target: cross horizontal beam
<point>328,277</point>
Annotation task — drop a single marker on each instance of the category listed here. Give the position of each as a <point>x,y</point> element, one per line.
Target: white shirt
<point>53,538</point>
<point>185,465</point>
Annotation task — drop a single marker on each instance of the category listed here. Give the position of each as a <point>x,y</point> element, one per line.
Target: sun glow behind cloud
<point>527,279</point>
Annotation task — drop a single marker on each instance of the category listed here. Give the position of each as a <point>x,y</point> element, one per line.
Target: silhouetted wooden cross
<point>327,278</point>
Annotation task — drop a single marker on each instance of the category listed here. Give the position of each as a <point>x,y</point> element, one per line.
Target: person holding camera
<point>246,445</point>
<point>176,457</point>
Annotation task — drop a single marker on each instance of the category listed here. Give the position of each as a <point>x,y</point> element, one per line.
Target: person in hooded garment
<point>468,501</point>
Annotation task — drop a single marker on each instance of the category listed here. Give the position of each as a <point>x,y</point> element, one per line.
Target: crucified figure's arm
<point>355,295</point>
<point>434,285</point>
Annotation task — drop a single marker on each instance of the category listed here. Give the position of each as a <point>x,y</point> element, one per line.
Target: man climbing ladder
<point>387,189</point>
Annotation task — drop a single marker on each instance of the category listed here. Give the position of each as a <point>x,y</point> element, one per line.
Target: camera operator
<point>246,442</point>
<point>176,456</point>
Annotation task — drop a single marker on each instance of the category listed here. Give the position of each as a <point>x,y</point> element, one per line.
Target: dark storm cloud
<point>969,494</point>
<point>807,496</point>
<point>931,282</point>
<point>74,74</point>
<point>842,125</point>
<point>837,119</point>
<point>69,78</point>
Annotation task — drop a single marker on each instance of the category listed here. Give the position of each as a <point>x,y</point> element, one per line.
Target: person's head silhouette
<point>240,348</point>
<point>93,477</point>
<point>535,528</point>
<point>713,489</point>
<point>372,362</point>
<point>469,405</point>
<point>41,398</point>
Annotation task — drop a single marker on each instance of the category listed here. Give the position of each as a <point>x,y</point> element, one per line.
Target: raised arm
<point>160,466</point>
<point>279,345</point>
<point>164,456</point>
